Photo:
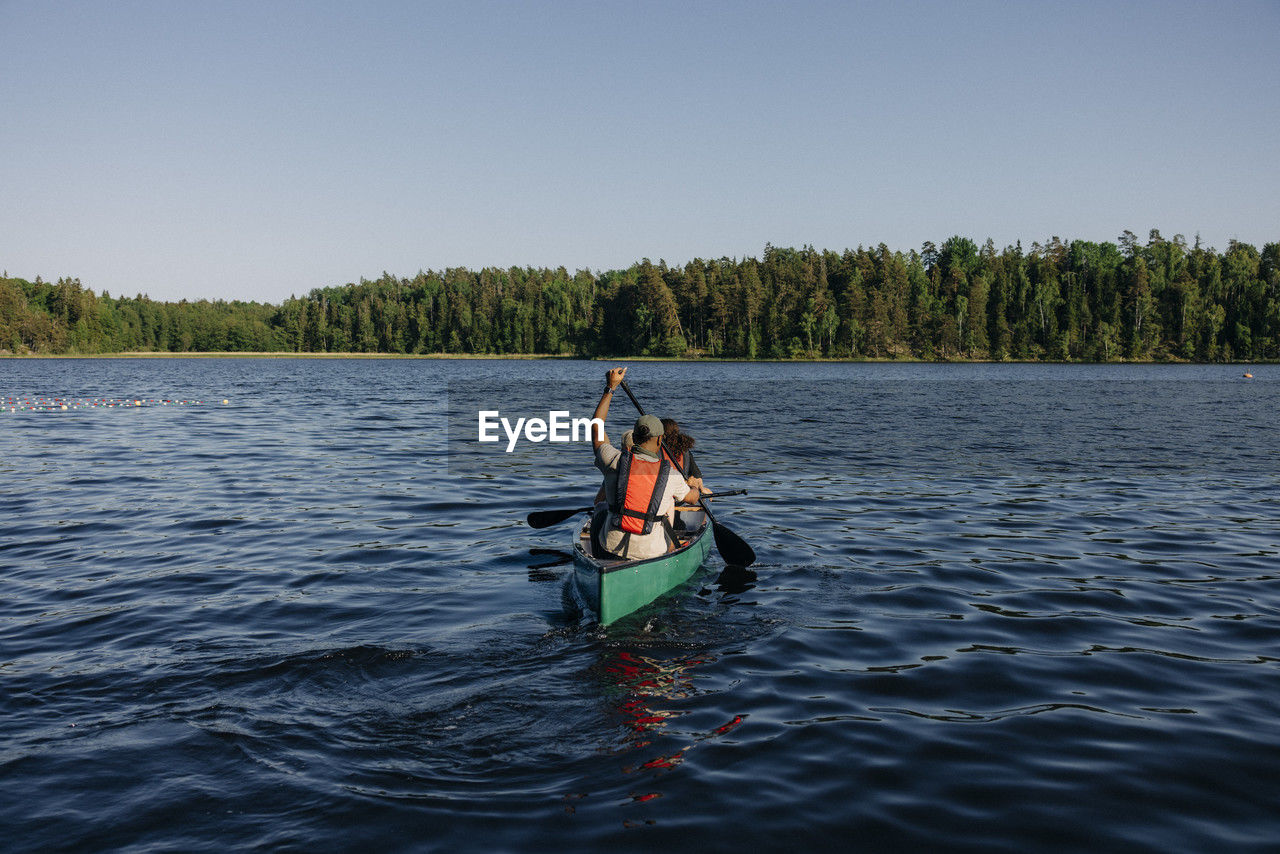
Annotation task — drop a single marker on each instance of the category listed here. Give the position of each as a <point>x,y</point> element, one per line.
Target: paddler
<point>678,446</point>
<point>641,488</point>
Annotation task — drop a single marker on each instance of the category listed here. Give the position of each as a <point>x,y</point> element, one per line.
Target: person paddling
<point>641,487</point>
<point>678,445</point>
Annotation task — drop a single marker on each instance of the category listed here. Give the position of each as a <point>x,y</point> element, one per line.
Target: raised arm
<point>612,380</point>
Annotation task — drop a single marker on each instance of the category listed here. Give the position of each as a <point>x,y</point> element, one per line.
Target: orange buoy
<point>1248,376</point>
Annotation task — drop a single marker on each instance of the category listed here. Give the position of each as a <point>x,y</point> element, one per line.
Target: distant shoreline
<point>619,359</point>
<point>1075,302</point>
<point>230,354</point>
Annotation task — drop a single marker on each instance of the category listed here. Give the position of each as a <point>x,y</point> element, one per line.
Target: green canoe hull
<point>612,589</point>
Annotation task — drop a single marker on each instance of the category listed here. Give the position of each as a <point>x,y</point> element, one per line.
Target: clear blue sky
<point>253,150</point>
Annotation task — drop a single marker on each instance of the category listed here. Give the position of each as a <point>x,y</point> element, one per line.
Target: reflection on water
<point>642,690</point>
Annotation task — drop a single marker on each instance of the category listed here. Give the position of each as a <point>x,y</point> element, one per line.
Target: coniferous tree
<point>1078,301</point>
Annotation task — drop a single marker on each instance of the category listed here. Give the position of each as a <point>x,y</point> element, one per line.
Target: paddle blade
<point>547,518</point>
<point>732,548</point>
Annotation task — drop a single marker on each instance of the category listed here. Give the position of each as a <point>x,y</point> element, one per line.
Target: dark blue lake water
<point>997,608</point>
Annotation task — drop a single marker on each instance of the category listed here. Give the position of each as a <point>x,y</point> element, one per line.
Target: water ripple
<point>1024,608</point>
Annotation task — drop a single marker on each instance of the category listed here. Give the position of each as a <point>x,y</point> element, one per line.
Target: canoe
<point>613,588</point>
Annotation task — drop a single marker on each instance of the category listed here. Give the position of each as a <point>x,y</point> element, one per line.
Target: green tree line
<point>1078,301</point>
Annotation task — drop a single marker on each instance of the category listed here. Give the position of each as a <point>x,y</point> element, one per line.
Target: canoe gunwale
<point>614,588</point>
<point>613,565</point>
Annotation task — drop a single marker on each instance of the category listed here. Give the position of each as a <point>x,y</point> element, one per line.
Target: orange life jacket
<point>641,486</point>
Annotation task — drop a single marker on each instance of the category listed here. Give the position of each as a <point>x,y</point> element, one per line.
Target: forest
<point>1162,300</point>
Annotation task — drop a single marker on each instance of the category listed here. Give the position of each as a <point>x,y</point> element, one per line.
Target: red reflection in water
<point>641,684</point>
<point>645,681</point>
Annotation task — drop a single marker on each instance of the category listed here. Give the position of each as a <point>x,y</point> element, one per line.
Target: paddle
<point>732,548</point>
<point>725,493</point>
<point>547,518</point>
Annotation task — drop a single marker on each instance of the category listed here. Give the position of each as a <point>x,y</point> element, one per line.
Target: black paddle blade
<point>547,518</point>
<point>732,548</point>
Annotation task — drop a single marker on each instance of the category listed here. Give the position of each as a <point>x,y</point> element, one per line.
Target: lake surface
<point>996,608</point>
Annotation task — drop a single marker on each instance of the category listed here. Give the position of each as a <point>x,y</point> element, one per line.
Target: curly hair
<point>675,441</point>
